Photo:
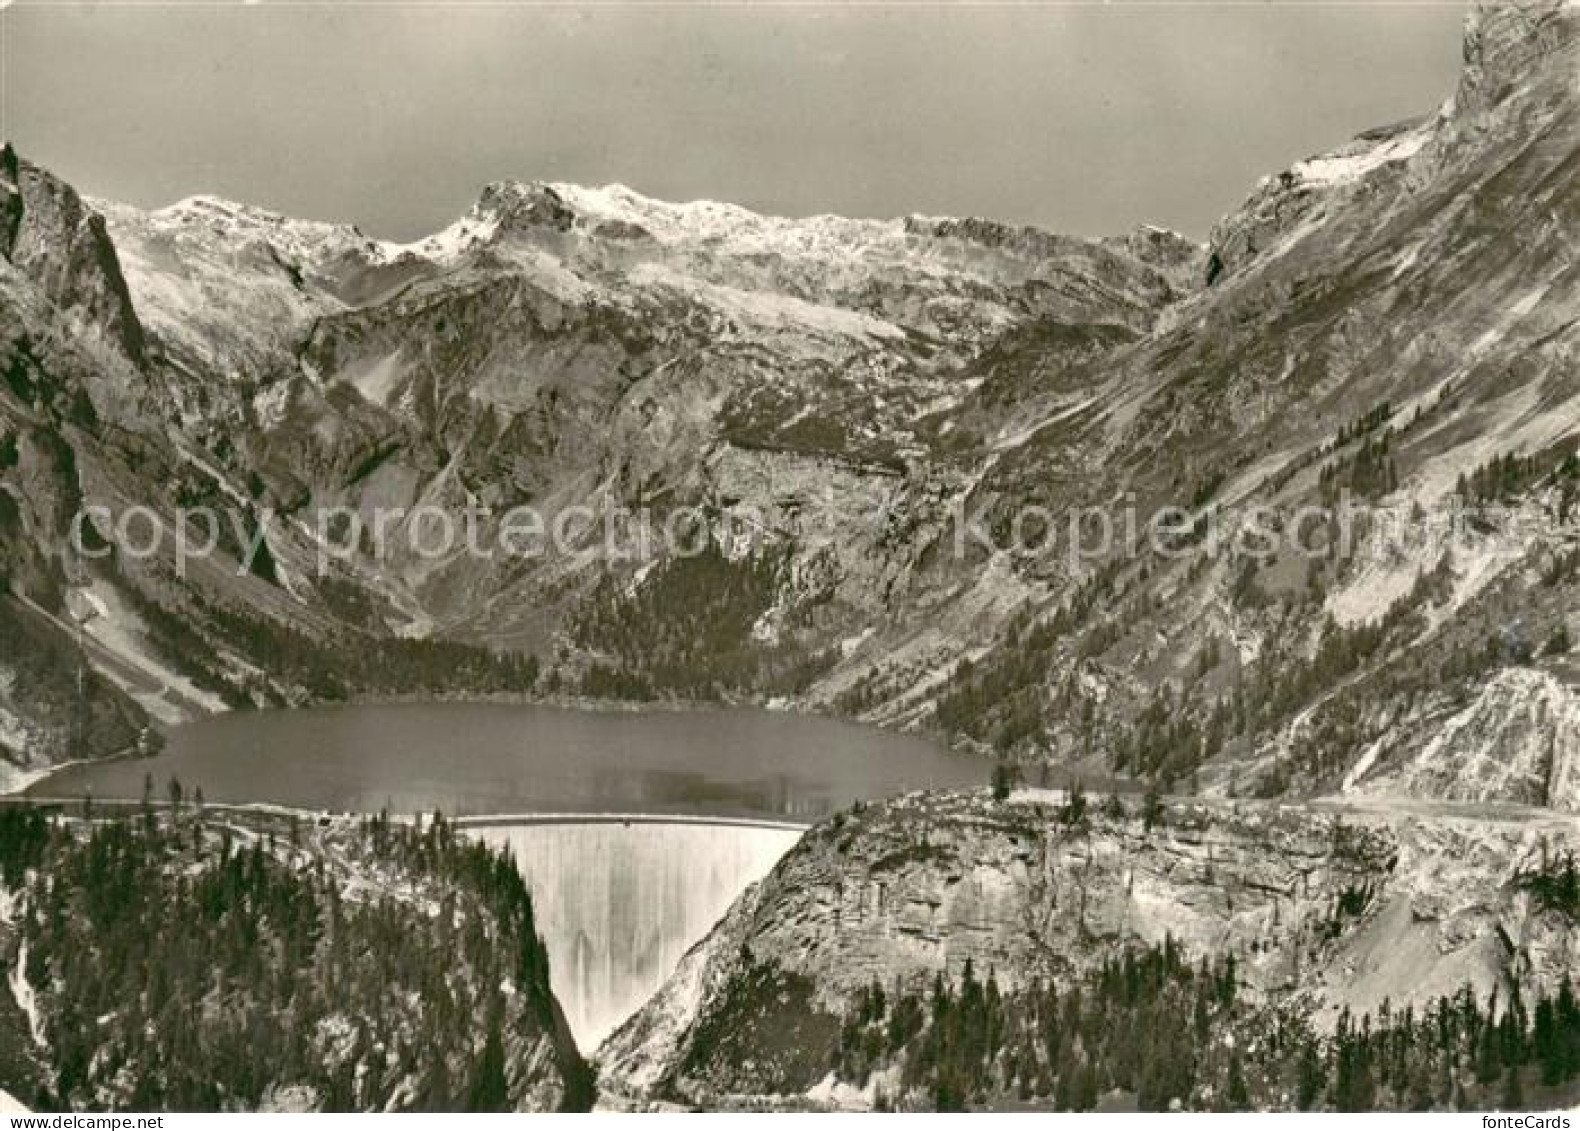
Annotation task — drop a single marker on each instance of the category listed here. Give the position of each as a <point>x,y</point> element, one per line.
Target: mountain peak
<point>51,234</point>
<point>617,211</point>
<point>233,216</point>
<point>1518,46</point>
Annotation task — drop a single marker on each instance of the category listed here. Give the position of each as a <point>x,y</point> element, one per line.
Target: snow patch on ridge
<point>1400,549</point>
<point>26,999</point>
<point>1519,423</point>
<point>449,244</point>
<point>767,310</point>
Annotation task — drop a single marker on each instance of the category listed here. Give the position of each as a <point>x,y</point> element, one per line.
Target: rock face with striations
<point>1518,740</point>
<point>63,245</point>
<point>1349,907</point>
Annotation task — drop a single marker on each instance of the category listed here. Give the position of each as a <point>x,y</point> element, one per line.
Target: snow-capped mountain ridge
<point>616,212</point>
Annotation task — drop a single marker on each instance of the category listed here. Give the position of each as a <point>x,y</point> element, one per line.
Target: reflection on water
<point>492,758</point>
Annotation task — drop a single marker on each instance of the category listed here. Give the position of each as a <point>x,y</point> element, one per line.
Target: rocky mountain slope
<point>1395,320</point>
<point>1322,909</point>
<point>559,347</point>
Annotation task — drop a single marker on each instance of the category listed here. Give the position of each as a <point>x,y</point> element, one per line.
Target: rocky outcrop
<point>855,385</point>
<point>49,234</point>
<point>1518,741</point>
<point>1336,908</point>
<point>1510,47</point>
<point>54,707</point>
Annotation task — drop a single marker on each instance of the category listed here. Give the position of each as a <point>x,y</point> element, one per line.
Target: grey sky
<point>1083,119</point>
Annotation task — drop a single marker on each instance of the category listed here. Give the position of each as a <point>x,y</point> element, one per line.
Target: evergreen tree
<point>490,1091</point>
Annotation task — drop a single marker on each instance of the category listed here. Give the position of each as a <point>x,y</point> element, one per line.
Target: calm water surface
<point>488,758</point>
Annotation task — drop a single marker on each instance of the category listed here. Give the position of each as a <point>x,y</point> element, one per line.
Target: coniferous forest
<point>177,959</point>
<point>1153,1030</point>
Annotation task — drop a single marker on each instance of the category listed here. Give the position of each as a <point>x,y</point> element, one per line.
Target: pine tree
<point>1152,812</point>
<point>490,1091</point>
<point>1310,1078</point>
<point>1239,1096</point>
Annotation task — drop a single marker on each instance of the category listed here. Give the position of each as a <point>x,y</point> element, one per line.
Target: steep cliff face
<point>1382,321</point>
<point>563,346</point>
<point>64,246</point>
<point>1518,740</point>
<point>1327,907</point>
<point>61,359</point>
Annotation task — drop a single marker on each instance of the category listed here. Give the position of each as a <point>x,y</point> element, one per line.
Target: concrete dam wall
<point>620,903</point>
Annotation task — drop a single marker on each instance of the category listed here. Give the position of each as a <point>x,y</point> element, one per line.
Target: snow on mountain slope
<point>1407,545</point>
<point>448,244</point>
<point>224,287</point>
<point>231,291</point>
<point>307,244</point>
<point>1363,156</point>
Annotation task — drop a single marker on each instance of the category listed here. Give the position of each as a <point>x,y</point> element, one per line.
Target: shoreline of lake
<point>473,758</point>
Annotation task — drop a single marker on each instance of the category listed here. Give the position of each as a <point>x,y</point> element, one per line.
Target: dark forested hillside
<point>1151,1029</point>
<point>178,959</point>
<point>692,631</point>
